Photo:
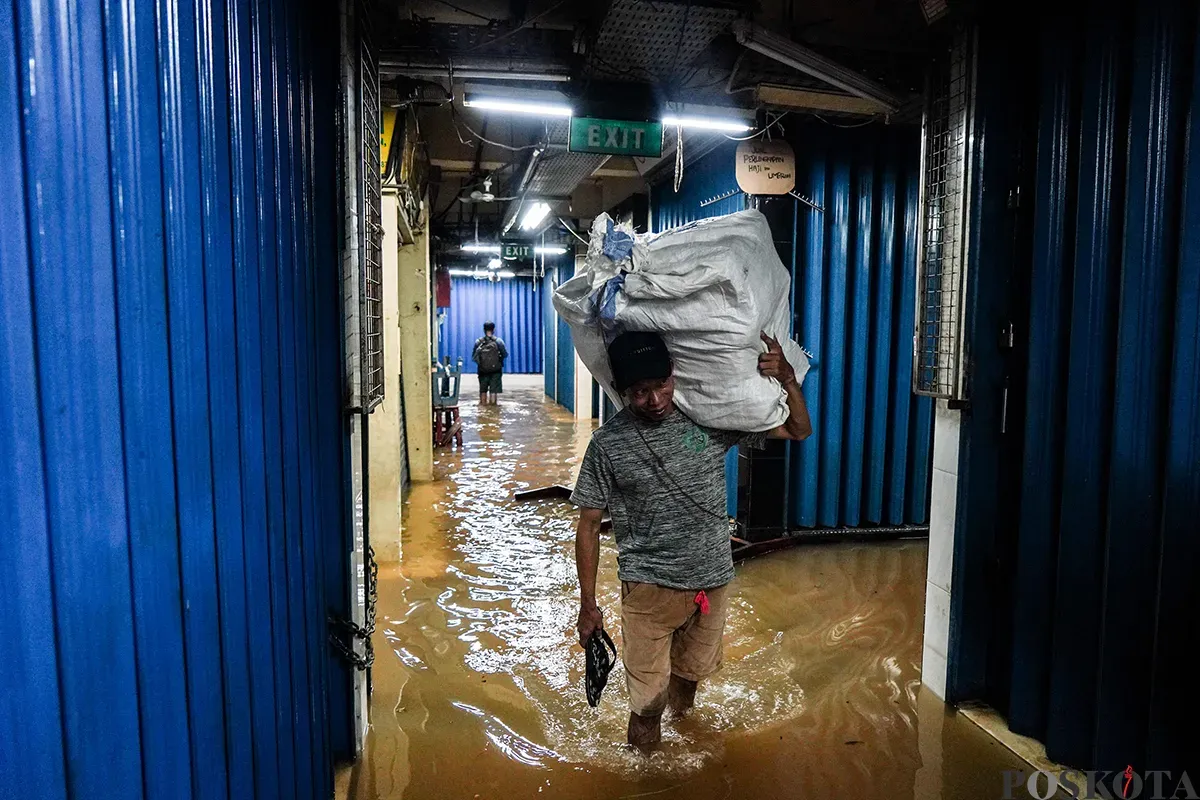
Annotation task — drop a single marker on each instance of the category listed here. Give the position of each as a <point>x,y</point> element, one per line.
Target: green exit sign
<point>516,251</point>
<point>615,137</point>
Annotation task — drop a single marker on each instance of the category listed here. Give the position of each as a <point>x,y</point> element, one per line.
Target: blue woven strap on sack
<point>606,302</point>
<point>617,244</point>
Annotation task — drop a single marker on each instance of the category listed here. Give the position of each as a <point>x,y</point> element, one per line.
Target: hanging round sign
<point>764,167</point>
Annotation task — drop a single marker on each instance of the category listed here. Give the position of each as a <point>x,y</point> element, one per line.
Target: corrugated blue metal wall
<point>708,178</point>
<point>558,359</point>
<point>1109,543</point>
<point>868,461</point>
<point>549,333</point>
<point>169,360</point>
<point>564,353</point>
<point>515,305</point>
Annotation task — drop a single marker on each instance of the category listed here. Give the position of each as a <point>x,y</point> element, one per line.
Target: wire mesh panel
<point>945,166</point>
<point>641,38</point>
<point>371,246</point>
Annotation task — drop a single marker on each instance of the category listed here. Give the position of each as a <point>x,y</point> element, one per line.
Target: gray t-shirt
<point>664,486</point>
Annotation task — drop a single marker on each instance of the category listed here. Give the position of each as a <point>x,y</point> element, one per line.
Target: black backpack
<point>488,355</point>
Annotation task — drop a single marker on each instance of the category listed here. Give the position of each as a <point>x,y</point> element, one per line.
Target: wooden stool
<point>447,426</point>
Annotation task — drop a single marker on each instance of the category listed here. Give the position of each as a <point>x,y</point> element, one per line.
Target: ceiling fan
<point>485,196</point>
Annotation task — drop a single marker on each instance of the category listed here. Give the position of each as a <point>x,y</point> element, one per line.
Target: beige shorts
<point>663,632</point>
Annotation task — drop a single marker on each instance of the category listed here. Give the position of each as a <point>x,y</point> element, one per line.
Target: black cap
<point>638,356</point>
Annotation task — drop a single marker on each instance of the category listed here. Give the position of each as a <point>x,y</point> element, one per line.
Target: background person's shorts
<point>663,632</point>
<point>490,382</point>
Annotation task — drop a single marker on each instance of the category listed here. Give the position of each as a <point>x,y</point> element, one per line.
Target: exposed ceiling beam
<point>774,94</point>
<point>457,165</point>
<point>474,67</point>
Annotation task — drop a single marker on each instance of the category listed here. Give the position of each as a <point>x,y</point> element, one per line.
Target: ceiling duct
<point>510,215</point>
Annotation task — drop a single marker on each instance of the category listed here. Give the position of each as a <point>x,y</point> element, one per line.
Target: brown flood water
<point>478,687</point>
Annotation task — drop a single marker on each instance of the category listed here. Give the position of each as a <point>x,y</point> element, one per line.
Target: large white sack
<point>709,288</point>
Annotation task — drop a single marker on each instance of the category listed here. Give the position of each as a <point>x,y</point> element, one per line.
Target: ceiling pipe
<point>799,57</point>
<point>502,69</point>
<point>510,215</point>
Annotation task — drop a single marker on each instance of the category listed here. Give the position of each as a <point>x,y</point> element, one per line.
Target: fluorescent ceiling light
<point>494,264</point>
<point>480,275</point>
<point>541,109</point>
<point>547,250</point>
<point>534,216</point>
<point>706,124</point>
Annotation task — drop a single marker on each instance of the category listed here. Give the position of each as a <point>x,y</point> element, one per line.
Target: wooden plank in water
<point>555,492</point>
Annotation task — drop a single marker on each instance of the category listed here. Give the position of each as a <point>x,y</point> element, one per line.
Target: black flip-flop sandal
<point>601,657</point>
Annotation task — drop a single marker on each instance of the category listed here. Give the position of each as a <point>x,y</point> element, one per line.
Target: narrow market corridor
<point>478,688</point>
<point>250,249</point>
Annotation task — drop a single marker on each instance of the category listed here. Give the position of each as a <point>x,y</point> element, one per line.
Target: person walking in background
<point>489,354</point>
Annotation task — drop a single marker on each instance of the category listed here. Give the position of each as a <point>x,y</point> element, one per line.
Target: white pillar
<point>583,378</point>
<point>943,508</point>
<point>583,390</point>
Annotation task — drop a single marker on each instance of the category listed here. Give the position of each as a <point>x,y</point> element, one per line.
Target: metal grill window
<point>945,166</point>
<point>371,245</point>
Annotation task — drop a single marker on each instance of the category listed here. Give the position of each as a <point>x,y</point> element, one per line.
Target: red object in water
<point>443,288</point>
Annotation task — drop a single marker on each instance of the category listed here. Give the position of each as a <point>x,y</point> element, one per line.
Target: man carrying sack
<point>662,479</point>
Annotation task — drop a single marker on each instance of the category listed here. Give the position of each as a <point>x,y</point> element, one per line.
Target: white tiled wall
<point>583,378</point>
<point>945,438</point>
<point>583,390</point>
<point>943,505</point>
<point>937,633</point>
<point>941,528</point>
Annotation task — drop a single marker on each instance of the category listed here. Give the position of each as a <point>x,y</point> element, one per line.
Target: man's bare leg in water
<point>645,733</point>
<point>681,695</point>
